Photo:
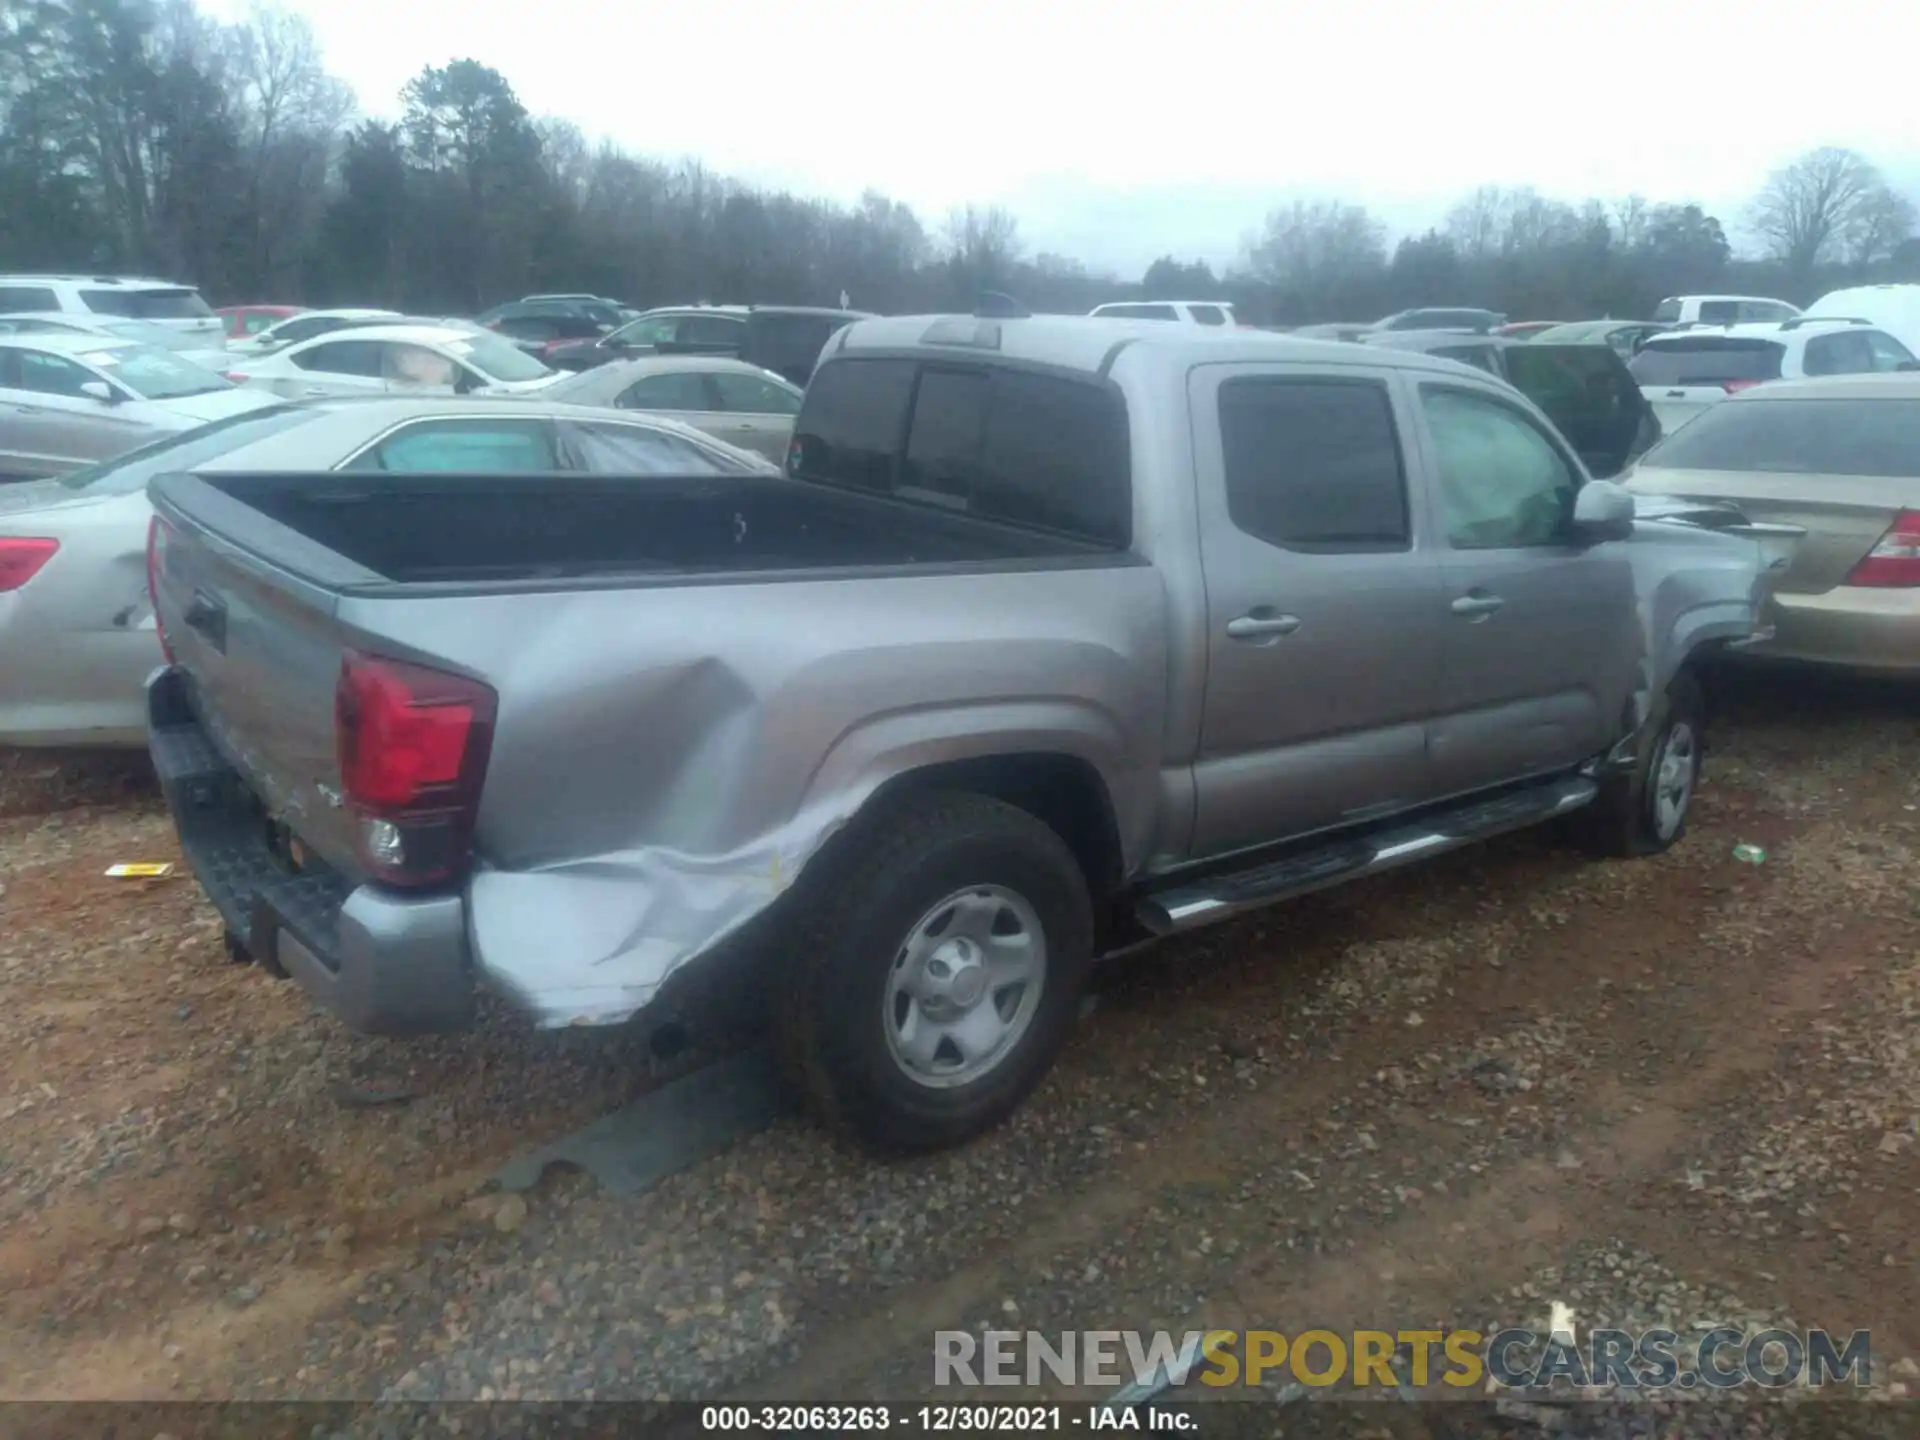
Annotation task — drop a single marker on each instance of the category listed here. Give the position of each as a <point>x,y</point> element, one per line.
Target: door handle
<point>1478,605</point>
<point>1262,626</point>
<point>1676,394</point>
<point>314,390</point>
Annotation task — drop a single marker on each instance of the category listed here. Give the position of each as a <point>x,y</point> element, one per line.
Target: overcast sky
<point>1118,131</point>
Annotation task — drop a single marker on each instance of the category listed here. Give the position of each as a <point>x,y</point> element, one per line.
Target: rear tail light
<point>1734,387</point>
<point>21,559</point>
<point>237,377</point>
<point>413,745</point>
<point>158,533</point>
<point>1895,561</point>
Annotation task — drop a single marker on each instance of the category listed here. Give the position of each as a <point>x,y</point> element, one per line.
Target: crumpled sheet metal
<point>591,943</point>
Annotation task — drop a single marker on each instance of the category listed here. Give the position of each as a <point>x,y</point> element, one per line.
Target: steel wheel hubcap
<point>964,986</point>
<point>1673,778</point>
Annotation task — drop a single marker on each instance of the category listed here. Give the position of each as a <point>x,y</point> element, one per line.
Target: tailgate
<point>261,652</point>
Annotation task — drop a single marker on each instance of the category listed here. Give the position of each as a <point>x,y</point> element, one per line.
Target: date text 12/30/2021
<point>942,1419</point>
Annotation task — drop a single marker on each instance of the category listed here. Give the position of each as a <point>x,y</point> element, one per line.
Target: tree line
<point>142,136</point>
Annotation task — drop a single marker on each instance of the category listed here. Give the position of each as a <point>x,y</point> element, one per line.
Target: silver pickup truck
<point>1058,634</point>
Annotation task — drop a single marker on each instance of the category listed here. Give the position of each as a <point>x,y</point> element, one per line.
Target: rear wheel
<point>1644,811</point>
<point>939,968</point>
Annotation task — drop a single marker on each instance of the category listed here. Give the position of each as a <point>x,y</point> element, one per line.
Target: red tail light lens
<point>236,376</point>
<point>21,560</point>
<point>158,533</point>
<point>1734,387</point>
<point>413,745</point>
<point>1895,561</point>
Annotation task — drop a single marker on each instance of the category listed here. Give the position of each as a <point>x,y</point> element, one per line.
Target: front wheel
<point>939,968</point>
<point>1644,811</point>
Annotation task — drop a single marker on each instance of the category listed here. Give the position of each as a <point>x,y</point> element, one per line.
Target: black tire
<point>1624,821</point>
<point>856,916</point>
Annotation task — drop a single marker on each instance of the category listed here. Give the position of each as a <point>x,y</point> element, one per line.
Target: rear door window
<point>1706,360</point>
<point>1314,465</point>
<point>1138,312</point>
<point>1208,314</point>
<point>1667,312</point>
<point>1765,310</point>
<point>1888,353</point>
<point>17,298</point>
<point>750,395</point>
<point>711,330</point>
<point>666,392</point>
<point>609,448</point>
<point>1719,312</point>
<point>343,357</point>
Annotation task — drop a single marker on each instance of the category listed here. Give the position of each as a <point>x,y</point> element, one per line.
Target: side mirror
<point>101,391</point>
<point>1602,511</point>
<point>465,382</point>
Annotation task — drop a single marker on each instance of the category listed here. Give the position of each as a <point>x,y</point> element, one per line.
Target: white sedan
<point>307,325</point>
<point>76,628</point>
<point>68,400</point>
<point>186,345</point>
<point>424,359</point>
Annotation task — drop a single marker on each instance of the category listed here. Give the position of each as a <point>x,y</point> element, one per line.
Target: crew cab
<point>1058,635</point>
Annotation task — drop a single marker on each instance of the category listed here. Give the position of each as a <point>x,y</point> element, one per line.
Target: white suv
<point>1185,312</point>
<point>178,307</point>
<point>1722,310</point>
<point>1683,372</point>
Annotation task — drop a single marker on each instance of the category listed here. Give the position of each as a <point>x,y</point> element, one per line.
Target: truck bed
<point>468,530</point>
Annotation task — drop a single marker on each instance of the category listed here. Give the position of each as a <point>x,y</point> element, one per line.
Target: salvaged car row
<point>1048,636</point>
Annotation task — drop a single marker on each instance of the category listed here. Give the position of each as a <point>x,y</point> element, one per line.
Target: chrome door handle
<point>1676,394</point>
<point>1260,627</point>
<point>1478,606</point>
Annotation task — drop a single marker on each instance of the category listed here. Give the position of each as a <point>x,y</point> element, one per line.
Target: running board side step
<point>1220,897</point>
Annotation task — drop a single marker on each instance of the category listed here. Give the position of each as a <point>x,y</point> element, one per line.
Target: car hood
<point>215,404</point>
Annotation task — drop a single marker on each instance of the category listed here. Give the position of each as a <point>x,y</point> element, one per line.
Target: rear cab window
<point>1005,444</point>
<point>1706,360</point>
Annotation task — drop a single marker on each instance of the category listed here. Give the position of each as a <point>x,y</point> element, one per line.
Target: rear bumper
<point>1859,627</point>
<point>385,963</point>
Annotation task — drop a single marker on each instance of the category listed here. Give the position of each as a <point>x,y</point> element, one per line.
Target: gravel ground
<point>1681,1092</point>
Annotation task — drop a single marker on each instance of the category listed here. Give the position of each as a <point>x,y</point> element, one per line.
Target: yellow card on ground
<point>139,872</point>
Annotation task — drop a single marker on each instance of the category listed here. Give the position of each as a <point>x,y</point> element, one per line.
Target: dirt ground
<point>1680,1091</point>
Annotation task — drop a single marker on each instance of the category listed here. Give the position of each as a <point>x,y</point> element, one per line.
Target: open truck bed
<point>536,726</point>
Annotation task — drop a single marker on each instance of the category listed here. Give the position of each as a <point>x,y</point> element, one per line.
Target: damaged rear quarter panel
<point>668,759</point>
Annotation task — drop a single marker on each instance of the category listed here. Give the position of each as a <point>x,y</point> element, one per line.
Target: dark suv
<point>786,339</point>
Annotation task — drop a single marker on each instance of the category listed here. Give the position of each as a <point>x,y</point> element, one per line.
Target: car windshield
<point>1878,438</point>
<point>495,358</point>
<point>156,374</point>
<point>132,469</point>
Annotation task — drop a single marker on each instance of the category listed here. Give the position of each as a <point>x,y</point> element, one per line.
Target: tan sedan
<point>1839,457</point>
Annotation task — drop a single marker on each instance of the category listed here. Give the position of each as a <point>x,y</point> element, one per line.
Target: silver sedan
<point>730,399</point>
<point>66,400</point>
<point>77,636</point>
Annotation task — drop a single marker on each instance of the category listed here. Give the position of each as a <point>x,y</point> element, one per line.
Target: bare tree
<point>1317,246</point>
<point>1813,207</point>
<point>1881,223</point>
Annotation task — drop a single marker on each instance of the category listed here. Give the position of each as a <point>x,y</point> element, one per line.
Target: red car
<point>244,320</point>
